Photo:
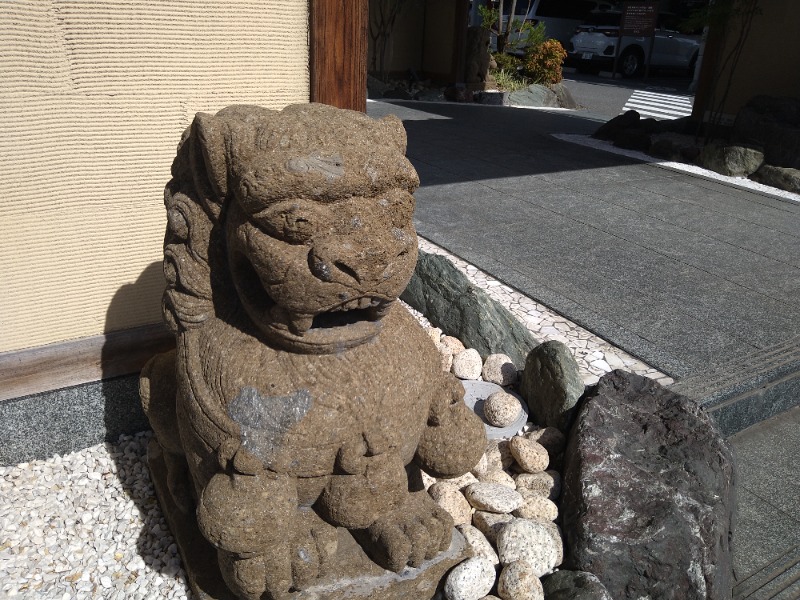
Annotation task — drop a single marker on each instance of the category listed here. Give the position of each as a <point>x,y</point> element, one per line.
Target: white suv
<point>595,44</point>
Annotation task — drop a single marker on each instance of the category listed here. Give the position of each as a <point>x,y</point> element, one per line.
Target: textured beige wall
<point>94,97</point>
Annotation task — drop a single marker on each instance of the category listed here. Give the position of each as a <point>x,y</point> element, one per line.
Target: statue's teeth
<point>298,323</point>
<point>379,311</point>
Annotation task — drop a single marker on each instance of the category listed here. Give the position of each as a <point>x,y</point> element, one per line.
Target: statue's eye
<point>288,221</point>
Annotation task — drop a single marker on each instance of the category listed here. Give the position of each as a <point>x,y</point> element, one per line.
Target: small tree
<point>730,21</point>
<point>492,19</point>
<point>383,15</point>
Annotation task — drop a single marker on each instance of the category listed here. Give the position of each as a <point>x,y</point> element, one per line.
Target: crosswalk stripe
<point>651,111</point>
<point>659,106</point>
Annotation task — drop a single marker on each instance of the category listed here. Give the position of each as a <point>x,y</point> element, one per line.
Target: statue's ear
<point>209,134</point>
<point>397,133</point>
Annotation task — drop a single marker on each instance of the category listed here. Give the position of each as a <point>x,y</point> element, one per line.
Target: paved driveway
<point>680,271</point>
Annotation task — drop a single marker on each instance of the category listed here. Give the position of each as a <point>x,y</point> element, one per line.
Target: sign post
<point>638,20</point>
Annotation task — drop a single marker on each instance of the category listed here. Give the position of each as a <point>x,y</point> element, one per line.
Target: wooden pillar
<point>338,60</point>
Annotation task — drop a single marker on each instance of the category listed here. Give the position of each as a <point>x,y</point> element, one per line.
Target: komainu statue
<point>293,418</point>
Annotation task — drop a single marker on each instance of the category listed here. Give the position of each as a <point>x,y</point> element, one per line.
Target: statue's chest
<point>296,412</point>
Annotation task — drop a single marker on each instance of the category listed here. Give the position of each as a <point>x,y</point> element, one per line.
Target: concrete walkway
<point>691,275</point>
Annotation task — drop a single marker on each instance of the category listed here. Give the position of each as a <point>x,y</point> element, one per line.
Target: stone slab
<point>69,419</point>
<point>743,392</point>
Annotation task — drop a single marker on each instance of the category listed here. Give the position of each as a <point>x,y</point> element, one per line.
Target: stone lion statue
<point>301,400</point>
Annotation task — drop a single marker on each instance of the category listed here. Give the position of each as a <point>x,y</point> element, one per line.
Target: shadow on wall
<point>125,352</point>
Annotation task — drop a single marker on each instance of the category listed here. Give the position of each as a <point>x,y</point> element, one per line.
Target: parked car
<point>560,17</point>
<point>595,45</point>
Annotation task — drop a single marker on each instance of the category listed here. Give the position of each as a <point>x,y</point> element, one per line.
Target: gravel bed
<point>87,525</point>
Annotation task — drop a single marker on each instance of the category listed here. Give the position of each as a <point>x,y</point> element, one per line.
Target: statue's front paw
<point>415,531</point>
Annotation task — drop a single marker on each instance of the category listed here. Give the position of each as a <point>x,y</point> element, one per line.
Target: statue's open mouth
<point>340,326</point>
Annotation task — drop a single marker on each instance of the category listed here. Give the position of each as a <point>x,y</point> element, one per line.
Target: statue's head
<point>316,204</point>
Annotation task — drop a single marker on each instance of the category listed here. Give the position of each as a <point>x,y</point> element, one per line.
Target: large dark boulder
<point>451,302</point>
<point>551,385</point>
<point>610,129</point>
<point>648,498</point>
<point>774,124</point>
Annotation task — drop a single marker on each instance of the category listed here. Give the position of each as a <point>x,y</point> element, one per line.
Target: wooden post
<point>338,52</point>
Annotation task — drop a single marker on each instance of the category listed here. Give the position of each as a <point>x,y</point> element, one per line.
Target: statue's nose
<point>351,260</point>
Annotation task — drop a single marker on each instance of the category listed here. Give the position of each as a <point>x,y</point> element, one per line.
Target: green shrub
<point>509,81</point>
<point>507,62</point>
<point>543,62</point>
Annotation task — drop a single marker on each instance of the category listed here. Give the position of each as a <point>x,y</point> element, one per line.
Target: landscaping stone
<point>490,524</point>
<point>731,160</point>
<point>549,437</point>
<point>531,456</point>
<point>449,497</point>
<point>633,139</point>
<point>574,585</point>
<point>451,302</point>
<point>609,130</point>
<point>493,497</point>
<point>782,178</point>
<point>467,364</point>
<point>551,384</point>
<point>499,369</point>
<point>519,581</point>
<point>471,580</point>
<point>774,124</point>
<point>546,483</point>
<point>500,477</point>
<point>524,539</point>
<point>648,501</point>
<point>478,542</point>
<point>534,95</point>
<point>537,508</point>
<point>501,409</point>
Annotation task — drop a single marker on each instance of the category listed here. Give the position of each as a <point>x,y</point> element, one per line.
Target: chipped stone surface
<point>531,456</point>
<point>493,497</point>
<point>501,409</point>
<point>519,581</point>
<point>470,580</point>
<point>524,539</point>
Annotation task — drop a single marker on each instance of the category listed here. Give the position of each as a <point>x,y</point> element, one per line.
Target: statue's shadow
<point>123,415</point>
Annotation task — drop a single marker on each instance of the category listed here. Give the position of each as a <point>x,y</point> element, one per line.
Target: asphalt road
<point>606,97</point>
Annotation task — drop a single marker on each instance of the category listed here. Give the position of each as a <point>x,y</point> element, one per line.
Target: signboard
<point>639,18</point>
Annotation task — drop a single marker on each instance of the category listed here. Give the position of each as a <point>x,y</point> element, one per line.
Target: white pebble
<point>470,580</point>
<point>449,497</point>
<point>518,581</point>
<point>501,409</point>
<point>493,497</point>
<point>523,539</point>
<point>479,544</point>
<point>499,369</point>
<point>531,456</point>
<point>467,364</point>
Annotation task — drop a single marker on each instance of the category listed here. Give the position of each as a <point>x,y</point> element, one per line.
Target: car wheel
<point>631,62</point>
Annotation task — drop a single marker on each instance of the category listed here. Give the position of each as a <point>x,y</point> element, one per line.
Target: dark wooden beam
<point>338,52</point>
<point>55,366</point>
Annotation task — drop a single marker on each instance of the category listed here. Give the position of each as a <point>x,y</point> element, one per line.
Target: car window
<point>522,7</point>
